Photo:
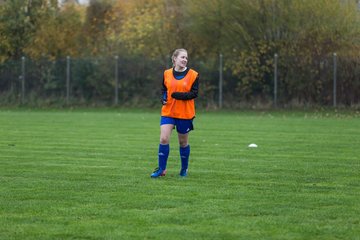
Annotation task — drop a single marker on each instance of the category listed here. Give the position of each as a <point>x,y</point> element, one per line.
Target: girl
<point>179,89</point>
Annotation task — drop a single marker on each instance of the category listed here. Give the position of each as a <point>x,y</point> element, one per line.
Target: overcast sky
<point>84,1</point>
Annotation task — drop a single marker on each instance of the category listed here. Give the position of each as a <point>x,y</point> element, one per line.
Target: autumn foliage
<point>305,35</point>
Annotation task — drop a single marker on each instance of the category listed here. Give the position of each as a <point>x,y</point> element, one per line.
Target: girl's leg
<point>165,133</point>
<point>164,149</point>
<point>184,152</point>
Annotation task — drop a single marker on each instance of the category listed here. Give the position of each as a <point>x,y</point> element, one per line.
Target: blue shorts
<point>183,126</point>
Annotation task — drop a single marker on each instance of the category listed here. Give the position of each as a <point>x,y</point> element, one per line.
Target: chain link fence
<point>289,81</point>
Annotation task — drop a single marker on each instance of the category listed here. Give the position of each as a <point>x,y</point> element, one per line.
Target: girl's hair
<point>176,53</point>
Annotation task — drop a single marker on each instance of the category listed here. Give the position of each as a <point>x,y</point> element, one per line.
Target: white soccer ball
<point>252,145</point>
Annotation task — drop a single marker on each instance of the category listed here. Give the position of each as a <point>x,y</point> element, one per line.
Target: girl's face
<point>181,61</point>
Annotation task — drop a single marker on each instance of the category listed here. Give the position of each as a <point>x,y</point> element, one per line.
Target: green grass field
<point>85,174</point>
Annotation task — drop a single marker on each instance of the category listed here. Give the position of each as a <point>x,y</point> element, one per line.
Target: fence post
<point>116,80</point>
<point>220,81</point>
<point>23,77</point>
<point>67,79</point>
<point>275,78</point>
<point>334,79</point>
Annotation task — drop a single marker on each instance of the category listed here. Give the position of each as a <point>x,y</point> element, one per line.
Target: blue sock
<point>163,155</point>
<point>184,154</point>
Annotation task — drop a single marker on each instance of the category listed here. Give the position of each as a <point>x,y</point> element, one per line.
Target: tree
<point>57,35</point>
<point>96,25</point>
<point>155,28</point>
<point>15,28</point>
<point>18,23</point>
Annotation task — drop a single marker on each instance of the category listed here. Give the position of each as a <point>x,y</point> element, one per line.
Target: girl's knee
<point>183,142</point>
<point>164,140</point>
